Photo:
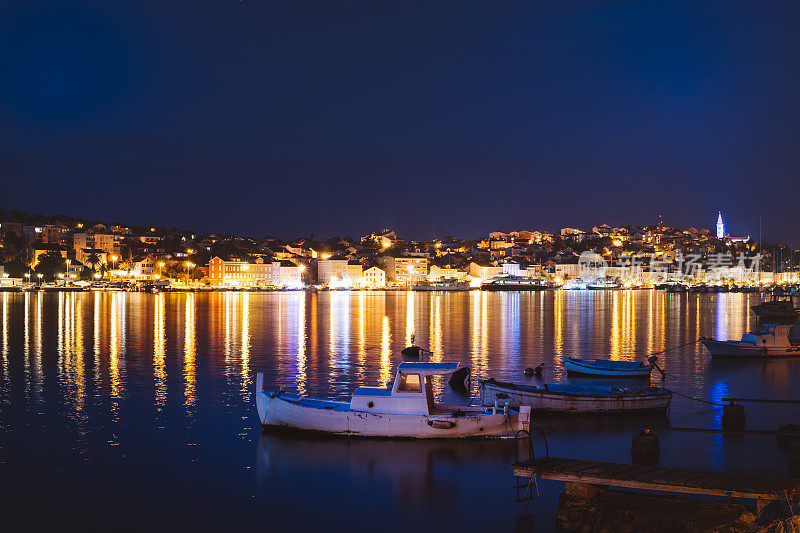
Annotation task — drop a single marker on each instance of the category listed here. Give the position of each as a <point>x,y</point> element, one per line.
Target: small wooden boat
<point>772,340</point>
<point>587,399</point>
<point>404,410</point>
<point>605,368</point>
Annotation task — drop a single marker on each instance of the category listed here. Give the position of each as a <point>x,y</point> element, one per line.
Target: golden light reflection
<point>114,355</point>
<point>409,316</point>
<point>245,370</point>
<point>301,345</point>
<point>38,374</point>
<point>386,353</point>
<point>79,366</point>
<point>435,328</point>
<point>558,327</point>
<point>159,352</point>
<point>189,377</point>
<point>96,333</point>
<point>6,376</point>
<point>362,336</point>
<point>615,339</point>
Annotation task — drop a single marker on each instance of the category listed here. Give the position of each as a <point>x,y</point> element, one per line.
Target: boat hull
<point>544,401</point>
<point>337,419</point>
<point>745,349</point>
<point>577,367</point>
<point>513,288</point>
<point>774,312</point>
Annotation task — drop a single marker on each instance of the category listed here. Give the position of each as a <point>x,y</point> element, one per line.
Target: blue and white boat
<point>605,368</point>
<point>772,340</point>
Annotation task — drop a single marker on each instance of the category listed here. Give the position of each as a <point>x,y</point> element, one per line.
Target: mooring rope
<point>675,347</point>
<point>695,399</point>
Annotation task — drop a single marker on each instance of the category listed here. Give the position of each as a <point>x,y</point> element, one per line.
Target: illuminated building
<point>720,227</point>
<point>259,274</point>
<point>374,278</point>
<point>404,269</point>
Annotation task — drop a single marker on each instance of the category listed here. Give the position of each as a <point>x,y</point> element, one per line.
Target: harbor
<point>132,389</point>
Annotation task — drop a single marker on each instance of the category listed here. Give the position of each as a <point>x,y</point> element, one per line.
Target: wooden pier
<point>763,489</point>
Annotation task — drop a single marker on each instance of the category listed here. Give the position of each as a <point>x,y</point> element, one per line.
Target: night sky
<point>433,118</point>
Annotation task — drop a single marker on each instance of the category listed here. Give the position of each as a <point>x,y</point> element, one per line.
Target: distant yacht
<point>446,284</point>
<point>603,284</point>
<point>516,283</point>
<point>575,285</point>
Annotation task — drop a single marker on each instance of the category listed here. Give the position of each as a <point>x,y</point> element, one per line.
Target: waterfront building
<point>286,274</point>
<point>374,278</point>
<point>404,269</point>
<point>720,226</point>
<point>438,273</point>
<point>239,273</point>
<point>332,271</point>
<point>484,271</point>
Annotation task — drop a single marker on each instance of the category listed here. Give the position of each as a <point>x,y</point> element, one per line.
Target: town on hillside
<point>66,252</point>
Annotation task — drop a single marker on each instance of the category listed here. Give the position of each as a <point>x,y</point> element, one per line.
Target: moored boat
<point>604,285</point>
<point>772,340</point>
<point>446,285</point>
<point>505,282</point>
<point>776,309</point>
<point>588,399</point>
<point>404,410</point>
<point>606,368</point>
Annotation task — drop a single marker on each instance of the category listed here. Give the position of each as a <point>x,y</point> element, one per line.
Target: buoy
<point>733,417</point>
<point>788,435</point>
<point>528,371</point>
<point>645,449</point>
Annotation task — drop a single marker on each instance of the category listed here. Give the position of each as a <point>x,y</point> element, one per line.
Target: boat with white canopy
<point>772,340</point>
<point>406,409</point>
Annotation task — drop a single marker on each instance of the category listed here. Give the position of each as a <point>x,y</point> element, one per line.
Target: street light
<point>189,265</point>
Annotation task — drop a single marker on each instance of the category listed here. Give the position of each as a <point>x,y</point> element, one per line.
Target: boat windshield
<point>409,383</point>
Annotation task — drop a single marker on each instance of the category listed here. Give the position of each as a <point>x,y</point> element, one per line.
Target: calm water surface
<point>137,410</point>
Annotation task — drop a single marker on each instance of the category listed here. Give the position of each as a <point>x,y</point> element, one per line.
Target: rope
<point>676,347</point>
<point>695,399</point>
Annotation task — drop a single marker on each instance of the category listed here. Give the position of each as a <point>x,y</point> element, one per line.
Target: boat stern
<point>262,399</point>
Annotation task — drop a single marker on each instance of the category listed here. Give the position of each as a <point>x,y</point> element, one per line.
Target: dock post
<point>645,449</point>
<point>733,416</point>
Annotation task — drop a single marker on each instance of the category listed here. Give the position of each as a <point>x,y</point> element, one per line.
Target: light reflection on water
<point>117,384</point>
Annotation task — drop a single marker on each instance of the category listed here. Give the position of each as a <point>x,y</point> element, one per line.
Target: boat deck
<point>657,478</point>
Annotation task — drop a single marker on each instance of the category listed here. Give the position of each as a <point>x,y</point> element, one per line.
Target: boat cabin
<point>411,392</point>
<point>773,336</point>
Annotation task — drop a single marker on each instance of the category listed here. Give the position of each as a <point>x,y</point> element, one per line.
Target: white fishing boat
<point>605,368</point>
<point>597,399</point>
<point>404,410</point>
<point>772,340</point>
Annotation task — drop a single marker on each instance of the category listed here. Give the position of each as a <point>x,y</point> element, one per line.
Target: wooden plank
<point>662,479</point>
<point>661,487</point>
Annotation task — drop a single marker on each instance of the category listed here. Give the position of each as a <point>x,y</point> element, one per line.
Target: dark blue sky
<point>433,117</point>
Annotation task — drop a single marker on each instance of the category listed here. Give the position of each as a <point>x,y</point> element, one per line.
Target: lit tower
<point>720,226</point>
